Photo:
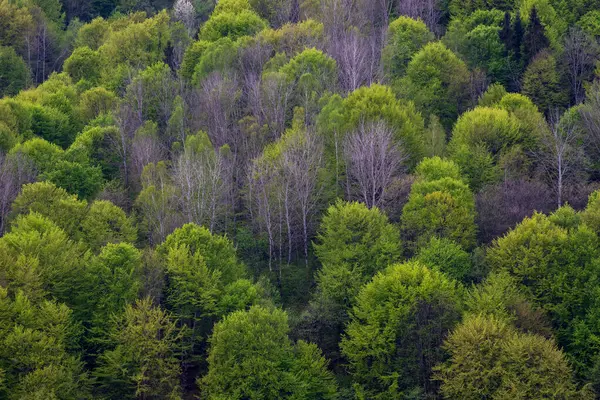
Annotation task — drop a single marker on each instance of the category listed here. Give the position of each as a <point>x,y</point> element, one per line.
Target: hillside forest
<point>299,199</point>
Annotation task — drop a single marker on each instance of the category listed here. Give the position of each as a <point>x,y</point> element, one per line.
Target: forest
<point>299,199</point>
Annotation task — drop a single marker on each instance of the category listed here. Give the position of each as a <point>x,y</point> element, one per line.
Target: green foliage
<point>399,321</point>
<point>14,73</point>
<point>437,81</point>
<point>559,270</point>
<point>217,56</point>
<point>232,25</point>
<point>76,178</point>
<point>142,363</point>
<point>311,73</point>
<point>446,256</point>
<point>406,36</point>
<point>543,84</point>
<point>439,205</point>
<point>111,281</point>
<point>371,104</point>
<point>34,353</point>
<point>38,257</point>
<point>84,63</point>
<point>489,359</point>
<point>251,357</point>
<point>218,251</point>
<point>51,202</point>
<point>106,223</point>
<point>354,243</point>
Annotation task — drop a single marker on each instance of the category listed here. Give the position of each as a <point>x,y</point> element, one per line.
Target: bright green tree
<point>354,243</point>
<point>397,327</point>
<point>142,364</point>
<point>490,359</point>
<point>439,205</point>
<point>106,223</point>
<point>437,81</point>
<point>252,357</point>
<point>406,36</point>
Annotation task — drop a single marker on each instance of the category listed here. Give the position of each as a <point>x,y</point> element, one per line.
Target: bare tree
<point>198,174</point>
<point>354,54</point>
<point>145,149</point>
<point>15,171</point>
<point>561,156</point>
<point>427,10</point>
<point>373,160</point>
<point>500,207</point>
<point>184,12</point>
<point>302,162</point>
<point>283,192</point>
<point>581,53</point>
<point>590,114</point>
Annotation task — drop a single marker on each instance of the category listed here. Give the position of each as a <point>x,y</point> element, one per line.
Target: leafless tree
<point>15,171</point>
<point>183,11</point>
<point>276,93</point>
<point>500,207</point>
<point>581,53</point>
<point>590,115</point>
<point>302,162</point>
<point>354,54</point>
<point>145,149</point>
<point>427,10</point>
<point>198,174</point>
<point>373,160</point>
<point>561,157</point>
<point>220,109</point>
<point>157,203</point>
<point>283,192</point>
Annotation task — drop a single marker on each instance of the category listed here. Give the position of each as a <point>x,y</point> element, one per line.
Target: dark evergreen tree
<point>517,36</point>
<point>506,33</point>
<point>535,38</point>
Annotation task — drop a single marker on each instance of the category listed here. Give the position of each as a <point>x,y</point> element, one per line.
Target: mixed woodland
<point>299,199</point>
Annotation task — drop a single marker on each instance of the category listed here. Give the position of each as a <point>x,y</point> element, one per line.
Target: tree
<point>581,52</point>
<point>557,267</point>
<point>14,73</point>
<point>373,162</point>
<point>251,357</point>
<point>438,206</point>
<point>437,81</point>
<point>16,170</point>
<point>142,364</point>
<point>200,177</point>
<point>84,63</point>
<point>543,84</point>
<point>157,202</point>
<point>34,358</point>
<point>284,189</point>
<point>232,25</point>
<point>406,36</point>
<point>185,13</point>
<point>354,243</point>
<point>446,256</point>
<point>484,139</point>
<point>396,329</point>
<point>370,105</point>
<point>52,202</point>
<point>561,155</point>
<point>106,223</point>
<point>83,180</point>
<point>534,38</point>
<point>111,282</point>
<point>488,358</point>
<point>38,257</point>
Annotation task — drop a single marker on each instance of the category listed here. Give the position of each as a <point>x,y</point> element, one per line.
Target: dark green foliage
<point>534,38</point>
<point>14,73</point>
